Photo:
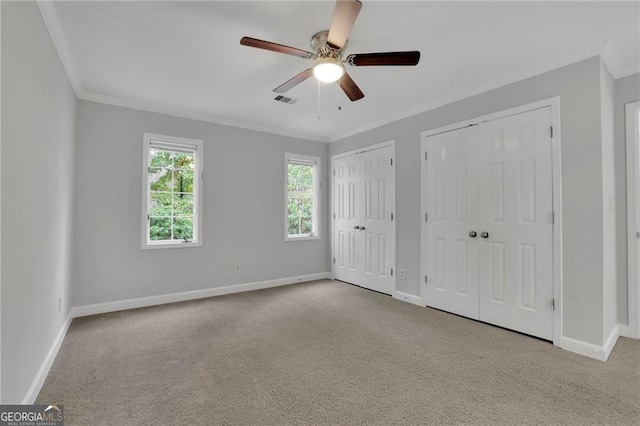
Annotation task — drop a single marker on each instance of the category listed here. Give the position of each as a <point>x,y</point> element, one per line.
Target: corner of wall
<point>609,204</point>
<point>599,352</point>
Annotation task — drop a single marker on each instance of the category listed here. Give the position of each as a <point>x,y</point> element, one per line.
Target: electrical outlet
<point>238,267</point>
<point>401,273</point>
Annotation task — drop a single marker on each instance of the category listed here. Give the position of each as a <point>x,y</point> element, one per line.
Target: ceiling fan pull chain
<point>319,116</point>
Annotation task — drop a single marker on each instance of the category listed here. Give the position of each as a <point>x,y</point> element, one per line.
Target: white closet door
<point>516,273</point>
<point>494,179</point>
<point>376,225</point>
<point>452,206</point>
<point>347,244</point>
<point>364,240</point>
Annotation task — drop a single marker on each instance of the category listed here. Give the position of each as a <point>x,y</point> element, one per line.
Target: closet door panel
<point>348,257</point>
<point>377,183</point>
<point>516,273</point>
<point>452,204</point>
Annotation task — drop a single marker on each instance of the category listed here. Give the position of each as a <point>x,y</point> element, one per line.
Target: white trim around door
<point>633,215</point>
<point>392,254</point>
<point>554,105</point>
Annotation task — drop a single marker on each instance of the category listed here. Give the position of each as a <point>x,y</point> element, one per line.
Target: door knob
<point>356,227</point>
<point>362,228</point>
<point>484,235</point>
<point>473,234</point>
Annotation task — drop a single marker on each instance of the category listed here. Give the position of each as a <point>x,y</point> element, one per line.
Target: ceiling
<point>185,59</point>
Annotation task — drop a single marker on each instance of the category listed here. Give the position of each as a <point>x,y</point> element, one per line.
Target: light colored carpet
<point>327,353</point>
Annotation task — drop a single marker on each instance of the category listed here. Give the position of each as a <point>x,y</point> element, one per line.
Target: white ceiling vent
<point>285,99</point>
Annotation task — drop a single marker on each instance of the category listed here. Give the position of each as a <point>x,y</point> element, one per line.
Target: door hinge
<point>334,216</point>
<point>637,234</point>
<point>425,279</point>
<point>202,175</point>
<point>553,217</point>
<point>391,271</point>
<point>426,217</point>
<point>551,131</point>
<point>391,216</point>
<point>148,218</point>
<point>553,304</point>
<point>334,260</point>
<point>425,155</point>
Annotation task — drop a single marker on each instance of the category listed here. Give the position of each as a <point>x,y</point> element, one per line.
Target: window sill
<point>176,245</point>
<point>301,238</point>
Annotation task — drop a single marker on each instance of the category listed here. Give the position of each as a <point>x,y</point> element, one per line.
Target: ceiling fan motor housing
<point>322,49</point>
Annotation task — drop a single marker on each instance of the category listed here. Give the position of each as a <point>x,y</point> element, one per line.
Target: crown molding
<point>52,22</point>
<point>583,54</point>
<point>155,108</point>
<point>615,61</point>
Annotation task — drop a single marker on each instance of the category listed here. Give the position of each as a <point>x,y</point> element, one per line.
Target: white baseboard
<point>80,311</point>
<point>409,298</point>
<point>627,331</point>
<point>589,349</point>
<point>100,308</point>
<point>42,374</point>
<point>610,342</point>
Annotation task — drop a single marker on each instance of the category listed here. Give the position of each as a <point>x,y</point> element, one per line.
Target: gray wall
<point>578,85</point>
<point>243,209</point>
<point>609,275</point>
<point>626,90</point>
<point>38,138</point>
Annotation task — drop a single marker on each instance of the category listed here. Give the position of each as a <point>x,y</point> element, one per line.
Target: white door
<point>364,241</point>
<point>376,225</point>
<point>452,205</point>
<point>347,266</point>
<point>516,213</point>
<point>490,224</point>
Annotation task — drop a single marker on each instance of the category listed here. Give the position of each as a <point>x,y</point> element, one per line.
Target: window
<point>172,192</point>
<point>302,197</point>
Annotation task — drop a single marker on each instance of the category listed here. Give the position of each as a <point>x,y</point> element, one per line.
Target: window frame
<point>195,145</point>
<point>317,186</point>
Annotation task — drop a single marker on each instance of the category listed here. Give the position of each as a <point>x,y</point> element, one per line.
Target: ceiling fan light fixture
<point>328,70</point>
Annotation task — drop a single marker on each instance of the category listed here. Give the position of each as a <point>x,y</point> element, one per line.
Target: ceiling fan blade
<point>291,83</point>
<point>344,16</point>
<point>280,48</point>
<point>350,88</point>
<point>386,58</point>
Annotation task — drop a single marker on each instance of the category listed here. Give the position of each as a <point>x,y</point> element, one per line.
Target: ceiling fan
<point>327,49</point>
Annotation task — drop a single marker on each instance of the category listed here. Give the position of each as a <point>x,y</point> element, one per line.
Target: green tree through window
<point>171,190</point>
<point>302,196</point>
<point>300,202</point>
